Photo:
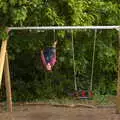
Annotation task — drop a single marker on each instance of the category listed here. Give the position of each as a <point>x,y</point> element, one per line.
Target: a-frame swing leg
<point>4,64</point>
<point>8,83</point>
<point>2,58</point>
<point>118,81</point>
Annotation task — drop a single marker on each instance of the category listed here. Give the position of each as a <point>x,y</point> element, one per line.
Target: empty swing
<point>84,94</point>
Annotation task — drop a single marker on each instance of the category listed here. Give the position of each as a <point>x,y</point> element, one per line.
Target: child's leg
<point>54,44</point>
<point>53,51</point>
<point>43,58</point>
<point>47,54</point>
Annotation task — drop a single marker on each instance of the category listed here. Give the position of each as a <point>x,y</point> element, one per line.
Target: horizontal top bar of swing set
<point>63,27</point>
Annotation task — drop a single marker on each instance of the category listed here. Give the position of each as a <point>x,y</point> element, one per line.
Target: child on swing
<point>48,56</point>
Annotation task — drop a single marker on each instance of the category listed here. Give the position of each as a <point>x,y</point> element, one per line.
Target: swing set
<point>4,64</point>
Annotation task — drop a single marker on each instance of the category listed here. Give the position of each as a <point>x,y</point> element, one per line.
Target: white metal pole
<point>62,27</point>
